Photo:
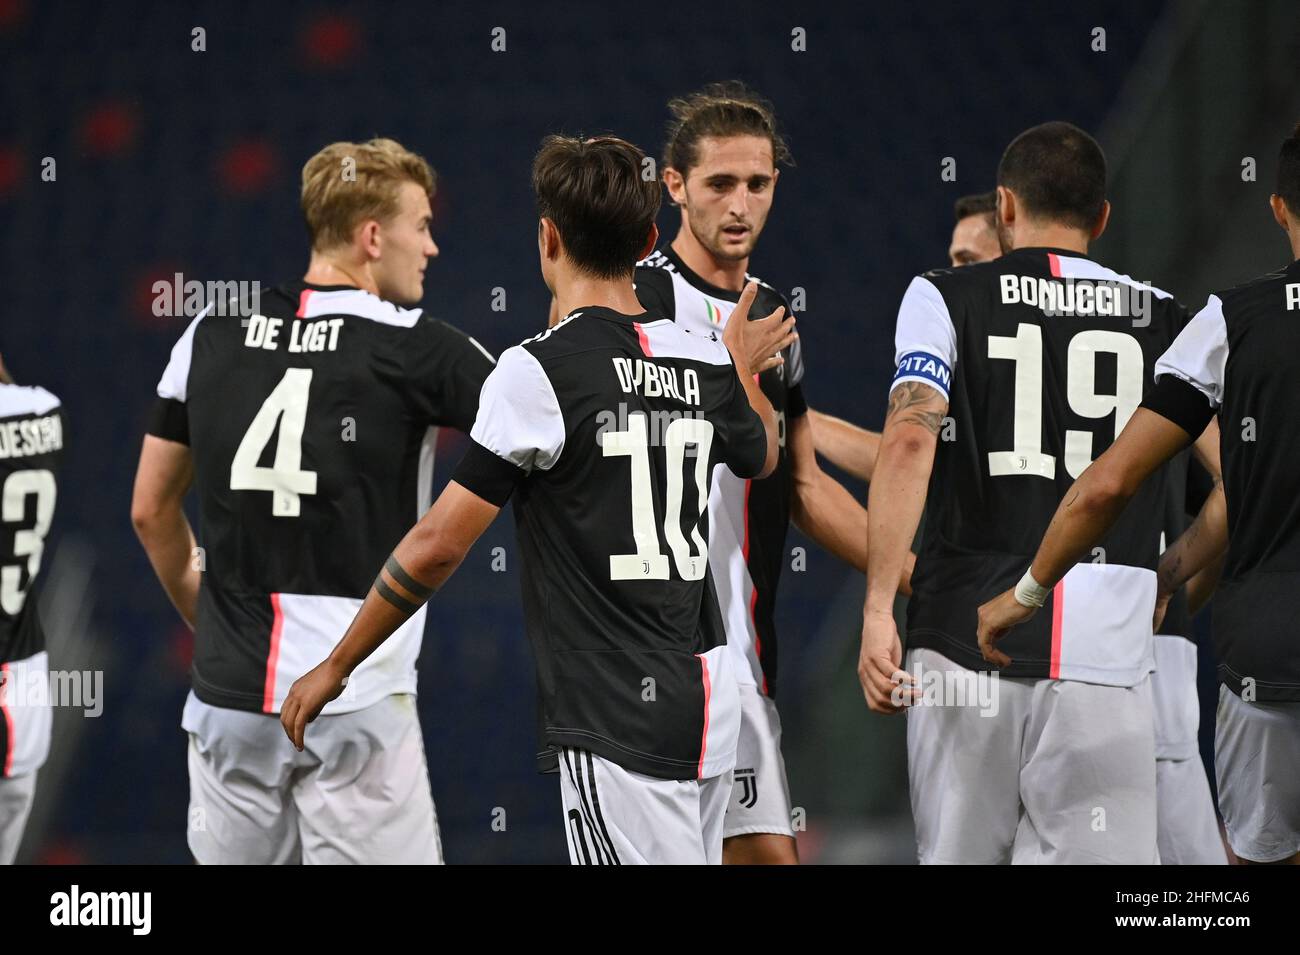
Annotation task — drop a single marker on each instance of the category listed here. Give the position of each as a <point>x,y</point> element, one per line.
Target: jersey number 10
<point>1026,350</point>
<point>649,562</point>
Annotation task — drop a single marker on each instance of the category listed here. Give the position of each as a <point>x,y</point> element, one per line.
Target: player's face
<point>406,248</point>
<point>973,240</point>
<point>728,194</point>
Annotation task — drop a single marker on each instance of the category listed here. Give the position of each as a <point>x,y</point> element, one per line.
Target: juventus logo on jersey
<point>749,787</point>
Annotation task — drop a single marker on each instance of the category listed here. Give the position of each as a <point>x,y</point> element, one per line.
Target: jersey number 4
<point>285,478</point>
<point>1026,350</point>
<point>649,562</point>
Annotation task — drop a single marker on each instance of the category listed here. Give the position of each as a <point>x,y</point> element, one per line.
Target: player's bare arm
<point>1085,514</point>
<point>162,479</point>
<point>848,447</point>
<point>823,509</point>
<point>1201,546</point>
<point>426,557</point>
<point>1201,585</point>
<point>735,337</point>
<point>907,447</point>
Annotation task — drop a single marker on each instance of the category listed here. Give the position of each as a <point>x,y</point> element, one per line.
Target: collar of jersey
<point>609,314</point>
<point>1047,248</point>
<point>330,288</point>
<point>708,288</point>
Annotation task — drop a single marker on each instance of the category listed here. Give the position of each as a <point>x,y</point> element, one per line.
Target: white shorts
<point>27,713</point>
<point>1058,772</point>
<point>760,795</point>
<point>357,794</point>
<point>1187,827</point>
<point>1257,763</point>
<point>16,796</point>
<point>614,816</point>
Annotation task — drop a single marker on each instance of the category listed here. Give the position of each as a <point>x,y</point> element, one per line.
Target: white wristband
<point>1030,593</point>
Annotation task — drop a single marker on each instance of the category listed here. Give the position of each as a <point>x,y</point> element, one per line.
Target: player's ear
<point>548,239</point>
<point>676,186</point>
<point>366,238</point>
<point>1099,226</point>
<point>1281,214</point>
<point>651,241</point>
<point>1006,207</point>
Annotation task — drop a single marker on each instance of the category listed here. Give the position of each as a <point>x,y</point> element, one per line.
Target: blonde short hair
<point>349,183</point>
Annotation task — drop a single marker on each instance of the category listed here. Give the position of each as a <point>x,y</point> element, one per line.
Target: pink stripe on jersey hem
<point>645,342</point>
<point>753,589</point>
<point>9,723</point>
<point>273,657</point>
<point>1054,262</point>
<point>1058,613</point>
<point>302,302</point>
<point>708,693</point>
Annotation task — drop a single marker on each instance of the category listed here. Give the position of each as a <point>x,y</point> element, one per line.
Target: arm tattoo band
<point>393,597</point>
<point>399,574</point>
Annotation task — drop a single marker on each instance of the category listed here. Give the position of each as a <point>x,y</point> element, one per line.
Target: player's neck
<point>330,270</point>
<point>1050,236</point>
<point>728,274</point>
<point>578,290</point>
<point>1294,236</point>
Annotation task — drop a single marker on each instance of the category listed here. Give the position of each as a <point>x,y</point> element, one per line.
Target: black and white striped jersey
<point>749,518</point>
<point>1043,355</point>
<point>312,426</point>
<point>606,428</point>
<point>1240,356</point>
<point>31,449</point>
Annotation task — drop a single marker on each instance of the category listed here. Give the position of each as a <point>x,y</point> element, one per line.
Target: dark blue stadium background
<point>170,160</point>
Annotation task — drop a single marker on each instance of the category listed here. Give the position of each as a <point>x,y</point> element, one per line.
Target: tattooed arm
<point>428,555</point>
<point>902,475</point>
<point>1200,546</point>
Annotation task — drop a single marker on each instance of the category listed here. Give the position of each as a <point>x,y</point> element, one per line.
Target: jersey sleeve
<point>925,341</point>
<point>447,370</point>
<point>740,431</point>
<point>519,428</point>
<point>169,418</point>
<point>654,290</point>
<point>796,404</point>
<point>1189,376</point>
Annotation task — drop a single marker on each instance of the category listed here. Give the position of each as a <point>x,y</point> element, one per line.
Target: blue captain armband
<point>924,367</point>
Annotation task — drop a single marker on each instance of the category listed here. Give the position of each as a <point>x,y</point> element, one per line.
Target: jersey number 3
<point>1026,350</point>
<point>285,478</point>
<point>649,562</point>
<point>30,543</point>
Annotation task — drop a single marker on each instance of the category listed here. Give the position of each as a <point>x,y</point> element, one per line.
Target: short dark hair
<point>981,204</point>
<point>596,193</point>
<point>719,110</point>
<point>1058,172</point>
<point>1288,171</point>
